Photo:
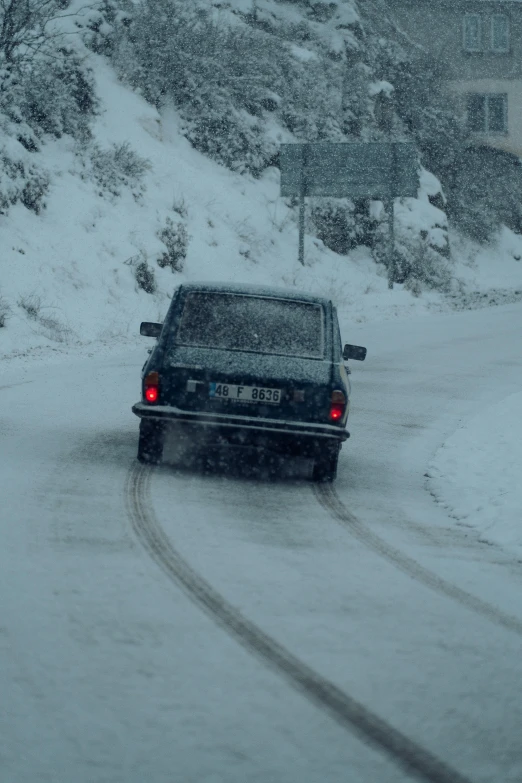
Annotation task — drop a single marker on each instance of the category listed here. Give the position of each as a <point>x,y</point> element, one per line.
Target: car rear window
<point>239,322</point>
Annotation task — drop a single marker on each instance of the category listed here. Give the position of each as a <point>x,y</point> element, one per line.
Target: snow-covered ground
<point>476,473</point>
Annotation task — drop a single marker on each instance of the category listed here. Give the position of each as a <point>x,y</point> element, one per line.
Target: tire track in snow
<point>12,385</point>
<point>328,498</point>
<point>349,713</point>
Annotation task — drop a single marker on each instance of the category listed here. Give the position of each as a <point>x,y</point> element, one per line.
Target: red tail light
<point>152,387</point>
<point>337,405</point>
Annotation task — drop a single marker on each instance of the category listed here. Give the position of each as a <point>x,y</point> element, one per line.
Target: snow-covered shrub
<point>44,84</point>
<point>49,95</point>
<point>100,24</point>
<point>311,108</point>
<point>343,224</point>
<point>53,328</point>
<point>180,207</point>
<point>485,192</point>
<point>421,257</point>
<point>45,89</point>
<point>5,311</point>
<point>21,179</point>
<point>181,51</point>
<point>320,11</point>
<point>145,276</point>
<point>231,138</point>
<point>421,101</point>
<point>25,28</point>
<point>421,245</point>
<point>175,237</point>
<point>58,96</point>
<point>418,265</point>
<point>45,317</point>
<point>114,169</point>
<point>32,304</point>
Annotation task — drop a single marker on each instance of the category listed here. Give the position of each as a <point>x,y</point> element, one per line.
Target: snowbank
<point>476,474</point>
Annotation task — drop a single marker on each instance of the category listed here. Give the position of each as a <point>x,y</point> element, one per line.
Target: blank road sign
<point>359,170</point>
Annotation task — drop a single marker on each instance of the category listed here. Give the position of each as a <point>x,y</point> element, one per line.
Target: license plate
<point>230,391</point>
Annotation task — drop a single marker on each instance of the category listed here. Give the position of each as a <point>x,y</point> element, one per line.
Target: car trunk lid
<point>191,379</point>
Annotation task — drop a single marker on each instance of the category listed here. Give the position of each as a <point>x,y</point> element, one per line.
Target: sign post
<point>388,206</point>
<point>302,194</point>
<point>373,170</point>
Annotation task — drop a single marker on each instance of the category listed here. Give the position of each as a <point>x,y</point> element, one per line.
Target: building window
<point>487,114</point>
<point>475,36</point>
<point>499,33</point>
<point>472,33</point>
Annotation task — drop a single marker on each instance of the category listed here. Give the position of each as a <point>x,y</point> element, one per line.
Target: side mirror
<point>148,329</point>
<point>354,352</point>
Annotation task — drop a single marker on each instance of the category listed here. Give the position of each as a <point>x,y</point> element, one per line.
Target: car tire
<point>325,466</point>
<point>150,444</point>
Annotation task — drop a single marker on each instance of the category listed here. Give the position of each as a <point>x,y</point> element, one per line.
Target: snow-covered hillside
<point>68,275</point>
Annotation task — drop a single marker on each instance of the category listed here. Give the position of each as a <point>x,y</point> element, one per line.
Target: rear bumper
<point>246,425</point>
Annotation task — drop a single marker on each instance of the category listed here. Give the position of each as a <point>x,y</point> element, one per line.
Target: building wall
<point>437,26</point>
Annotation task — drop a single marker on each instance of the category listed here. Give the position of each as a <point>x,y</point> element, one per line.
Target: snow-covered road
<point>167,625</point>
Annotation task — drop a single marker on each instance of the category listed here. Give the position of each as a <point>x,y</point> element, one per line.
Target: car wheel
<point>325,466</point>
<point>150,444</point>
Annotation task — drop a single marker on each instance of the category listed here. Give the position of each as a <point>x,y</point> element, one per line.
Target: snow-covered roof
<point>254,290</point>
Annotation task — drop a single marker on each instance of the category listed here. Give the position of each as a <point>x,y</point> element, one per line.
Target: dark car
<point>247,366</point>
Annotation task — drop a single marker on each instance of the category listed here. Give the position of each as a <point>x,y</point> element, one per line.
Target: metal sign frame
<point>370,170</point>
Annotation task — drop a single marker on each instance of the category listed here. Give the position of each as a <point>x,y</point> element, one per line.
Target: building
<point>480,44</point>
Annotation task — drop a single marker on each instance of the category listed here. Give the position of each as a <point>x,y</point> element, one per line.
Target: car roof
<point>255,290</point>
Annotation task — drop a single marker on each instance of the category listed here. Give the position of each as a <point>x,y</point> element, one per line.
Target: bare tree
<point>24,27</point>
